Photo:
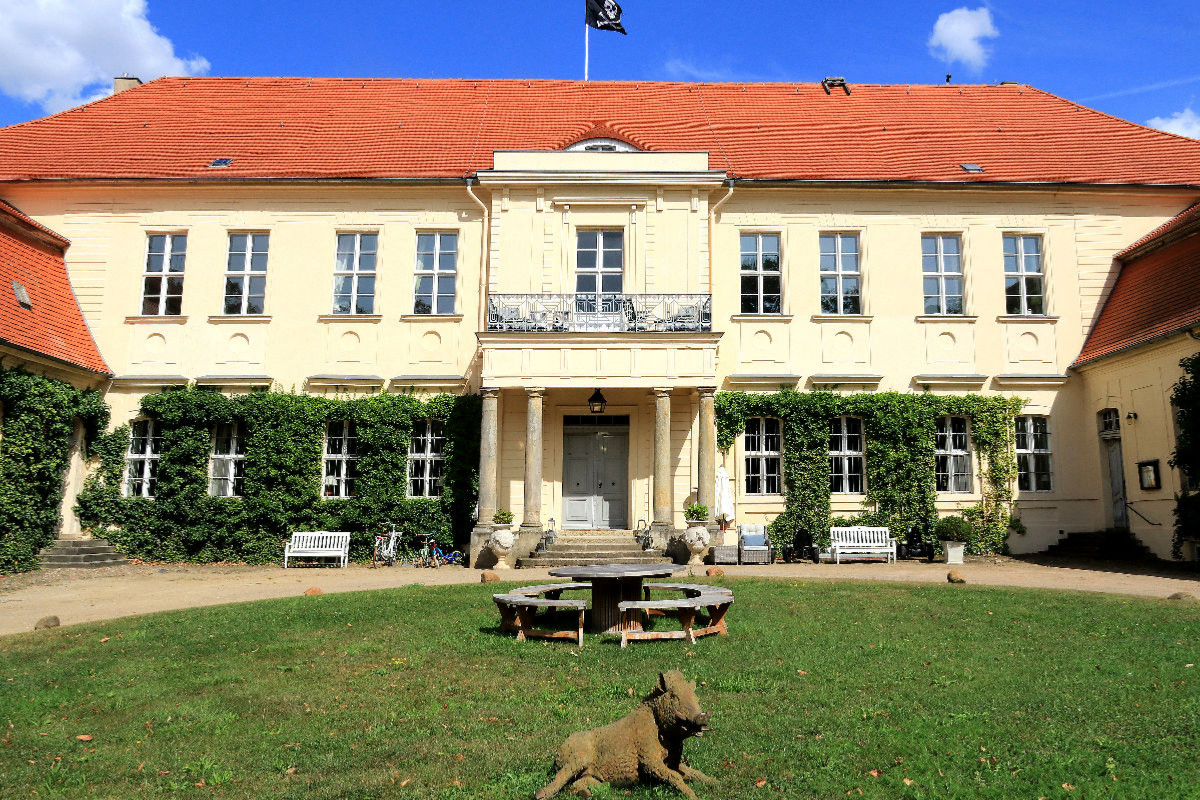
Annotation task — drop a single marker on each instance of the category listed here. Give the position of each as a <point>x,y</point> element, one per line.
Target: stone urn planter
<point>695,540</point>
<point>954,551</point>
<point>501,543</point>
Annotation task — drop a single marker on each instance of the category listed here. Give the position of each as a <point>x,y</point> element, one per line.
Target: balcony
<point>599,313</point>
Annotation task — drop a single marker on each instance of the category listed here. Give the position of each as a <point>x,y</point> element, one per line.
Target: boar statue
<point>644,745</point>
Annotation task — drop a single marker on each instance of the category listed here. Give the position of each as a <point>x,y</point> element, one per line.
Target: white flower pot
<point>501,543</point>
<point>954,551</point>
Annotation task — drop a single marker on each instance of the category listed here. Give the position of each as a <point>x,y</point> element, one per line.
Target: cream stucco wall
<point>666,214</point>
<point>1138,381</point>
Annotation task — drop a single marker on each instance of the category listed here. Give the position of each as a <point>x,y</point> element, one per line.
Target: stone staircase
<point>69,553</point>
<point>599,546</point>
<point>1109,545</point>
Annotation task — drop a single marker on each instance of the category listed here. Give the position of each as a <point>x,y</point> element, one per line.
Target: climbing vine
<point>284,449</point>
<point>1185,398</point>
<point>899,431</point>
<point>35,449</point>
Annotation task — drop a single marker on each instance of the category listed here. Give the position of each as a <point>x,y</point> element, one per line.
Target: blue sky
<point>1137,61</point>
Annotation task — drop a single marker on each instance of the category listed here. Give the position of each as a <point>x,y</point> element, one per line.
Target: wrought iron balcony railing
<point>598,312</point>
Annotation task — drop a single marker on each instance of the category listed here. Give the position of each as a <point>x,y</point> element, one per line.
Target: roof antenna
<point>947,77</point>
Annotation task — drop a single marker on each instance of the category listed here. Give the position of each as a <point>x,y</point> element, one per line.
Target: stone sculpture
<point>644,745</point>
<point>501,543</point>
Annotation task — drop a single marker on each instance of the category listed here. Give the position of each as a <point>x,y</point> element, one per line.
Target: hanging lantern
<point>597,402</point>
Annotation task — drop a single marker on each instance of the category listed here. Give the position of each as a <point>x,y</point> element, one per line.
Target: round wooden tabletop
<point>602,571</point>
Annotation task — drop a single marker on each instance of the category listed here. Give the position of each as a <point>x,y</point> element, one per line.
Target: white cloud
<point>60,53</point>
<point>1185,123</point>
<point>958,36</point>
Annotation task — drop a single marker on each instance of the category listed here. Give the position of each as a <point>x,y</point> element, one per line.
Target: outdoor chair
<point>753,545</point>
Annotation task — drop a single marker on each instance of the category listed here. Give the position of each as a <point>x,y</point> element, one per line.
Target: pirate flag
<point>603,15</point>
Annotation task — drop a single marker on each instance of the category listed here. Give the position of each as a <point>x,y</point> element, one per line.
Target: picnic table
<point>612,583</point>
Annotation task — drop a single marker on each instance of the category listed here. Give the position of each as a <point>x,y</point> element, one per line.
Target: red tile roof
<point>400,128</point>
<point>32,255</point>
<point>1157,293</point>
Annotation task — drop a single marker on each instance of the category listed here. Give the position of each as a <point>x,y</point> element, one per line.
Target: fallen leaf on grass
<point>1068,787</point>
<point>139,769</point>
<point>801,672</point>
<point>909,781</point>
<point>84,737</point>
<point>875,773</point>
<point>761,782</point>
<point>405,781</point>
<point>290,771</point>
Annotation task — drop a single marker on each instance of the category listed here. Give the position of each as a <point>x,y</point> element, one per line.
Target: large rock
<point>953,576</point>
<point>1184,596</point>
<point>714,572</point>
<point>47,622</point>
<point>313,590</point>
<point>488,576</point>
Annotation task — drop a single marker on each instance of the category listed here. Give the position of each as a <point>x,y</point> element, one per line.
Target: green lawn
<point>900,691</point>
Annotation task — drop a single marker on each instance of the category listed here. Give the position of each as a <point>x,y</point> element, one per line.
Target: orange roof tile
<point>1157,292</point>
<point>401,128</point>
<point>32,255</point>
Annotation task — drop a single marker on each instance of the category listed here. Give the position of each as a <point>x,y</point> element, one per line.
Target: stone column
<point>706,459</point>
<point>488,472</point>
<point>532,519</point>
<point>663,508</point>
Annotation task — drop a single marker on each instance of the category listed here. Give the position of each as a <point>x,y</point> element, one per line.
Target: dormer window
<point>601,145</point>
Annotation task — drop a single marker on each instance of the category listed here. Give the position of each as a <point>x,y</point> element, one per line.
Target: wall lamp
<point>597,402</point>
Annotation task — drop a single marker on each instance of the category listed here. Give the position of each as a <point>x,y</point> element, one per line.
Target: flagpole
<point>586,42</point>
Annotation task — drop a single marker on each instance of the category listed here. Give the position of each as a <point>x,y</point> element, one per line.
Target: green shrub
<point>696,511</point>
<point>953,529</point>
<point>503,517</point>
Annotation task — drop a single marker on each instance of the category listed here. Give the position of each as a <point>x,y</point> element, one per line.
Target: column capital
<point>535,391</point>
<point>489,391</point>
<point>661,391</point>
<point>706,391</point>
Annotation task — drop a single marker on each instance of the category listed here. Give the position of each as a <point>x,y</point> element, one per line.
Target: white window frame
<point>435,273</point>
<point>354,273</point>
<point>599,300</point>
<point>340,464</point>
<point>759,272</point>
<point>426,459</point>
<point>240,266</point>
<point>763,457</point>
<point>164,273</point>
<point>232,462</point>
<point>144,457</point>
<point>1022,275</point>
<point>842,456</point>
<point>952,456</point>
<point>1029,453</point>
<point>839,273</point>
<point>940,274</point>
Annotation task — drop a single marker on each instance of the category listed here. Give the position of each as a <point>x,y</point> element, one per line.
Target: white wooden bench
<point>861,541</point>
<point>318,544</point>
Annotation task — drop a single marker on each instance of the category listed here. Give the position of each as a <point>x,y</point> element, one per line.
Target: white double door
<point>595,478</point>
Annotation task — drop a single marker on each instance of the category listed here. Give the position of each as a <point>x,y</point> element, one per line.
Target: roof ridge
<point>1106,115</point>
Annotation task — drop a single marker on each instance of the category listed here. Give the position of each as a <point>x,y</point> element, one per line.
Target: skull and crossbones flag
<point>603,15</point>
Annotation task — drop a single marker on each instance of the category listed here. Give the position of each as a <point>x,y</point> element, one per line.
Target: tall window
<point>425,459</point>
<point>354,273</point>
<point>841,280</point>
<point>1033,454</point>
<point>762,290</point>
<point>246,273</point>
<point>1024,285</point>
<point>764,456</point>
<point>845,455</point>
<point>941,264</point>
<point>227,467</point>
<point>953,455</point>
<point>341,459</point>
<point>599,270</point>
<point>141,462</point>
<point>162,281</point>
<point>437,268</point>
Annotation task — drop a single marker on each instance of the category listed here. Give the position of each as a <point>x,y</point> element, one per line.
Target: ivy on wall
<point>284,442</point>
<point>899,431</point>
<point>35,450</point>
<point>1185,398</point>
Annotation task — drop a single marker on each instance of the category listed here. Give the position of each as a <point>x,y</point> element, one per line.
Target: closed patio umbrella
<point>723,506</point>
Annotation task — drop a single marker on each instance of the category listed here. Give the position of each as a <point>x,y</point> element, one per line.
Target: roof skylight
<point>971,168</point>
<point>22,295</point>
<point>221,162</point>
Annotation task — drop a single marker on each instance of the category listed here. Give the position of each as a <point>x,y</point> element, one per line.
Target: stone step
<point>573,561</point>
<point>1101,545</point>
<point>577,547</point>
<point>80,553</point>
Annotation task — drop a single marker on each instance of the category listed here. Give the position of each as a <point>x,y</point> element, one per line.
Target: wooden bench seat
<point>861,541</point>
<point>318,544</point>
<point>715,600</point>
<point>551,590</point>
<point>518,613</point>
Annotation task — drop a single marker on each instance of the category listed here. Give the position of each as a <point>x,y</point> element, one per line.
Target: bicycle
<point>432,554</point>
<point>386,546</point>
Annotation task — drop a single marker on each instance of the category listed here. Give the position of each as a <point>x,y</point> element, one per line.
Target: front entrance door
<point>1116,474</point>
<point>595,472</point>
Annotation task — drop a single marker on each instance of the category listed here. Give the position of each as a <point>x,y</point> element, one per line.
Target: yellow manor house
<point>555,245</point>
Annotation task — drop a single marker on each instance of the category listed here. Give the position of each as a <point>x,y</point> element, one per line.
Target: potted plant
<point>954,532</point>
<point>502,540</point>
<point>696,538</point>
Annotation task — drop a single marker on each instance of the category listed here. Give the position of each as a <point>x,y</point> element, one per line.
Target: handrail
<point>599,311</point>
<point>1129,505</point>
